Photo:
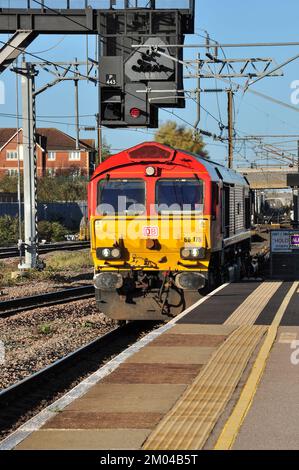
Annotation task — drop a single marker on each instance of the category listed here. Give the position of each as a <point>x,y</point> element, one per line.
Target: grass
<point>45,329</point>
<point>73,261</point>
<point>57,264</point>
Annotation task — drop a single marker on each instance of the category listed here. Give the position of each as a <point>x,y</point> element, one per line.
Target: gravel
<point>60,282</point>
<point>36,338</point>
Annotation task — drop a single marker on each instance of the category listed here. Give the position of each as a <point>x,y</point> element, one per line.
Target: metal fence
<point>69,214</point>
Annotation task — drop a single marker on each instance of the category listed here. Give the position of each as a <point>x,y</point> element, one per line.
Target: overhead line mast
<point>124,71</point>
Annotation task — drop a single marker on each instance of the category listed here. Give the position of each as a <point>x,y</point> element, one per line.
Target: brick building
<point>56,153</point>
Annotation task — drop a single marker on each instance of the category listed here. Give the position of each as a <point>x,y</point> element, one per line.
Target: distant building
<point>56,153</point>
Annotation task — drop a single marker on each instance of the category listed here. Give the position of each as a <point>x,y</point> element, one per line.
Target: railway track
<point>13,252</point>
<point>20,304</point>
<point>24,399</point>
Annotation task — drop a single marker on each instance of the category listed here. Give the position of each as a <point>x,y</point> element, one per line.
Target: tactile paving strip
<point>252,307</point>
<point>188,425</point>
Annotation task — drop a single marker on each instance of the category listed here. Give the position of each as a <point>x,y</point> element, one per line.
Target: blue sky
<point>226,21</point>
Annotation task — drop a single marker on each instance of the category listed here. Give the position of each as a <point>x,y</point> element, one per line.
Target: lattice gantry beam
<point>233,68</point>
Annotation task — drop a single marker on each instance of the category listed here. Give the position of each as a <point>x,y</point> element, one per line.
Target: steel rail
<point>28,395</point>
<point>66,360</point>
<point>20,304</point>
<point>13,252</point>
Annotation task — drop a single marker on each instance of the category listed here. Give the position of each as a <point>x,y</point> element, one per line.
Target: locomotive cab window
<point>179,195</point>
<point>121,196</point>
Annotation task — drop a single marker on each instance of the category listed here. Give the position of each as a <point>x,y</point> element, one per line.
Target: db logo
<point>151,232</point>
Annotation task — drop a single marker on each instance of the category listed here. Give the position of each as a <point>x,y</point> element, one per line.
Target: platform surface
<point>182,388</point>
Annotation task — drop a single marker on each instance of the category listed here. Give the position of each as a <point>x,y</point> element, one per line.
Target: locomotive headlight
<point>185,253</point>
<point>150,171</point>
<point>106,253</point>
<point>115,253</point>
<point>193,253</point>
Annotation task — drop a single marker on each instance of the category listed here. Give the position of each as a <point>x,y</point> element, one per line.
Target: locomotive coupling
<point>108,281</point>
<point>190,281</point>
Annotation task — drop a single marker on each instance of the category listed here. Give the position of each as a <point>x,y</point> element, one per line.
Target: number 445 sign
<point>111,79</point>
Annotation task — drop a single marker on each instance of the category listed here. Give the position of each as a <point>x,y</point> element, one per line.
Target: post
<point>76,81</point>
<point>198,114</point>
<point>29,167</point>
<point>99,139</point>
<point>296,194</point>
<point>230,128</point>
<point>99,115</point>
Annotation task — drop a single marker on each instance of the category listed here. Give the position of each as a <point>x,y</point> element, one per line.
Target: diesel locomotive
<point>164,224</point>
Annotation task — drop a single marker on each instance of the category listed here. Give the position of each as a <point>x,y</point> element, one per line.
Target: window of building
<point>11,155</point>
<point>51,156</point>
<point>75,155</point>
<point>12,171</point>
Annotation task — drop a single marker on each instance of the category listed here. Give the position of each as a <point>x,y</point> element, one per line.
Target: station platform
<point>221,375</point>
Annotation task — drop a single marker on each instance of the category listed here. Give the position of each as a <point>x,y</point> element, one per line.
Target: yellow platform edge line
<point>234,422</point>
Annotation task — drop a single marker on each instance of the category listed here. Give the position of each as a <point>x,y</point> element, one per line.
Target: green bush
<point>59,232</point>
<point>51,231</point>
<point>9,230</point>
<point>45,230</point>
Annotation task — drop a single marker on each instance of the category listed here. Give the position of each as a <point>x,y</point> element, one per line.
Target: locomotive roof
<point>215,170</point>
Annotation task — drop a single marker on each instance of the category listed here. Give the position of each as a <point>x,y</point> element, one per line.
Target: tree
<point>106,151</point>
<point>180,137</point>
<point>62,189</point>
<point>9,184</point>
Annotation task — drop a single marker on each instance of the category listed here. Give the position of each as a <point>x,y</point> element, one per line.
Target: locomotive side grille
<point>239,209</point>
<point>236,210</point>
<point>231,211</point>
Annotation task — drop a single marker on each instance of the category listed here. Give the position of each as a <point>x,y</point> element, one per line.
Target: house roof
<point>5,135</point>
<point>49,138</point>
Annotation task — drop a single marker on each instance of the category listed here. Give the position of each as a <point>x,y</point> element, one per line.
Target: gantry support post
<point>230,129</point>
<point>29,167</point>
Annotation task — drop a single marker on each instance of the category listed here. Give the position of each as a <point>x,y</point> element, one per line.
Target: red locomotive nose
<point>135,113</point>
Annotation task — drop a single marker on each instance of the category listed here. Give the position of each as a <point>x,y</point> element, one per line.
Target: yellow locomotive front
<point>150,235</point>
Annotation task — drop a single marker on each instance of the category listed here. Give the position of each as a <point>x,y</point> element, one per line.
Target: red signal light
<point>135,113</point>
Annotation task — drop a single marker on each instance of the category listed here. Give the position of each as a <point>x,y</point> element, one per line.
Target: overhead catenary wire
<point>85,76</point>
<point>165,110</point>
<point>79,74</point>
<point>243,94</point>
<point>81,24</point>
